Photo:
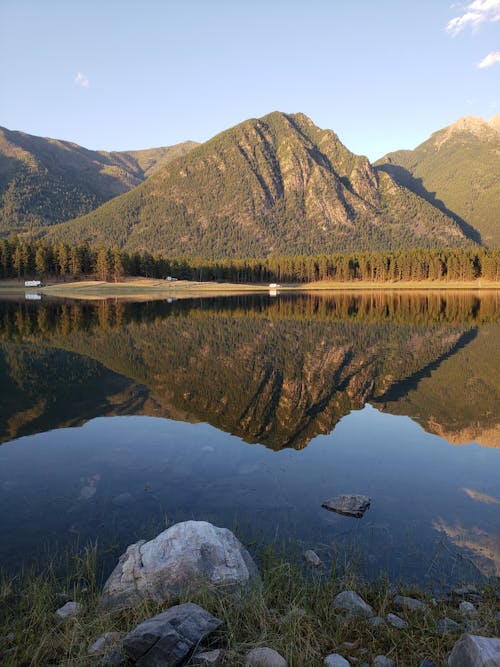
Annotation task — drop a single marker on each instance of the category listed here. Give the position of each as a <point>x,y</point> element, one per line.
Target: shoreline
<point>292,612</point>
<point>157,288</point>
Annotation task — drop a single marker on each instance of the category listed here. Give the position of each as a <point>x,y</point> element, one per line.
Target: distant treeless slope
<point>44,181</point>
<point>458,168</point>
<point>274,185</point>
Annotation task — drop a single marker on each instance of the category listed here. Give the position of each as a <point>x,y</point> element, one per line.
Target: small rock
<point>427,663</point>
<point>475,651</point>
<point>468,610</point>
<point>264,657</point>
<point>123,499</point>
<point>169,637</point>
<point>447,626</point>
<point>105,642</point>
<point>465,590</point>
<point>409,603</point>
<point>348,505</point>
<point>383,661</point>
<point>376,621</point>
<point>69,610</point>
<point>87,492</point>
<point>336,660</point>
<point>352,603</point>
<point>214,657</point>
<point>312,558</point>
<point>396,621</point>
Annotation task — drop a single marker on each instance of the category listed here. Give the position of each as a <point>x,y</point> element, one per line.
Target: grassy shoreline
<point>153,288</point>
<point>292,613</point>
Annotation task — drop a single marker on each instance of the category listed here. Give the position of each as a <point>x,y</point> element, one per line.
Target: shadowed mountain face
<point>275,185</point>
<point>273,372</point>
<point>456,169</point>
<point>44,181</point>
<point>43,387</point>
<point>459,398</point>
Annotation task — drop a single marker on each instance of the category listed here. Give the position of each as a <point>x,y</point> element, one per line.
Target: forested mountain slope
<point>275,185</point>
<point>44,181</point>
<point>457,169</point>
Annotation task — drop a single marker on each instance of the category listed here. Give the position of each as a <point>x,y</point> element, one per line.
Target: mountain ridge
<point>44,181</point>
<point>456,169</point>
<point>273,185</point>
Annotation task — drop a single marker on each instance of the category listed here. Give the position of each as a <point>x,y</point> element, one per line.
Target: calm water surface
<point>120,418</point>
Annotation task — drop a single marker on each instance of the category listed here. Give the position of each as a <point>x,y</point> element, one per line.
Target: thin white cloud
<point>82,80</point>
<point>477,12</point>
<point>491,59</point>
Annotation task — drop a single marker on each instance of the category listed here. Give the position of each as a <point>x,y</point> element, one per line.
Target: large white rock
<point>187,555</point>
<point>475,651</point>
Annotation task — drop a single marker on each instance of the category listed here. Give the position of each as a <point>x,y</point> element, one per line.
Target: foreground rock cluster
<point>197,554</point>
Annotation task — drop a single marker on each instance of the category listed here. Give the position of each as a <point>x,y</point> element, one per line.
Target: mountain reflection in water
<point>275,371</point>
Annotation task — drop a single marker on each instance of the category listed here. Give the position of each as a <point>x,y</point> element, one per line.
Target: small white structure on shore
<point>170,279</point>
<point>273,285</point>
<point>32,283</point>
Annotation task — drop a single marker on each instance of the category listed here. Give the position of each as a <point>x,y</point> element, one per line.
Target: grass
<point>292,613</point>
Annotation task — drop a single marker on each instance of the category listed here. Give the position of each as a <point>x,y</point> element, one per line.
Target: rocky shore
<point>193,595</point>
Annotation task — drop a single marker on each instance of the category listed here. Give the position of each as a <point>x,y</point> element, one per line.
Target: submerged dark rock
<point>348,505</point>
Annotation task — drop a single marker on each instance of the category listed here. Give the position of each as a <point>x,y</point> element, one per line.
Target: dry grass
<point>292,614</point>
<point>137,288</point>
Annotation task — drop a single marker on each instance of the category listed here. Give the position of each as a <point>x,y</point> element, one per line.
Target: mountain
<point>458,170</point>
<point>274,185</point>
<point>45,181</point>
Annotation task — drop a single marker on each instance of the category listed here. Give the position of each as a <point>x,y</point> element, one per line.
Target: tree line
<point>27,258</point>
<point>29,321</point>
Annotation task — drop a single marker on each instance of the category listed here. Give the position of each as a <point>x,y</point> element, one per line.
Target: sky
<point>123,75</point>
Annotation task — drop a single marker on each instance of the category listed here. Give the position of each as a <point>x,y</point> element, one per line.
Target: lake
<point>120,418</point>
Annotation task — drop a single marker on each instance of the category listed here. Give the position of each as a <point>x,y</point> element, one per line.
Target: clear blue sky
<point>119,75</point>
